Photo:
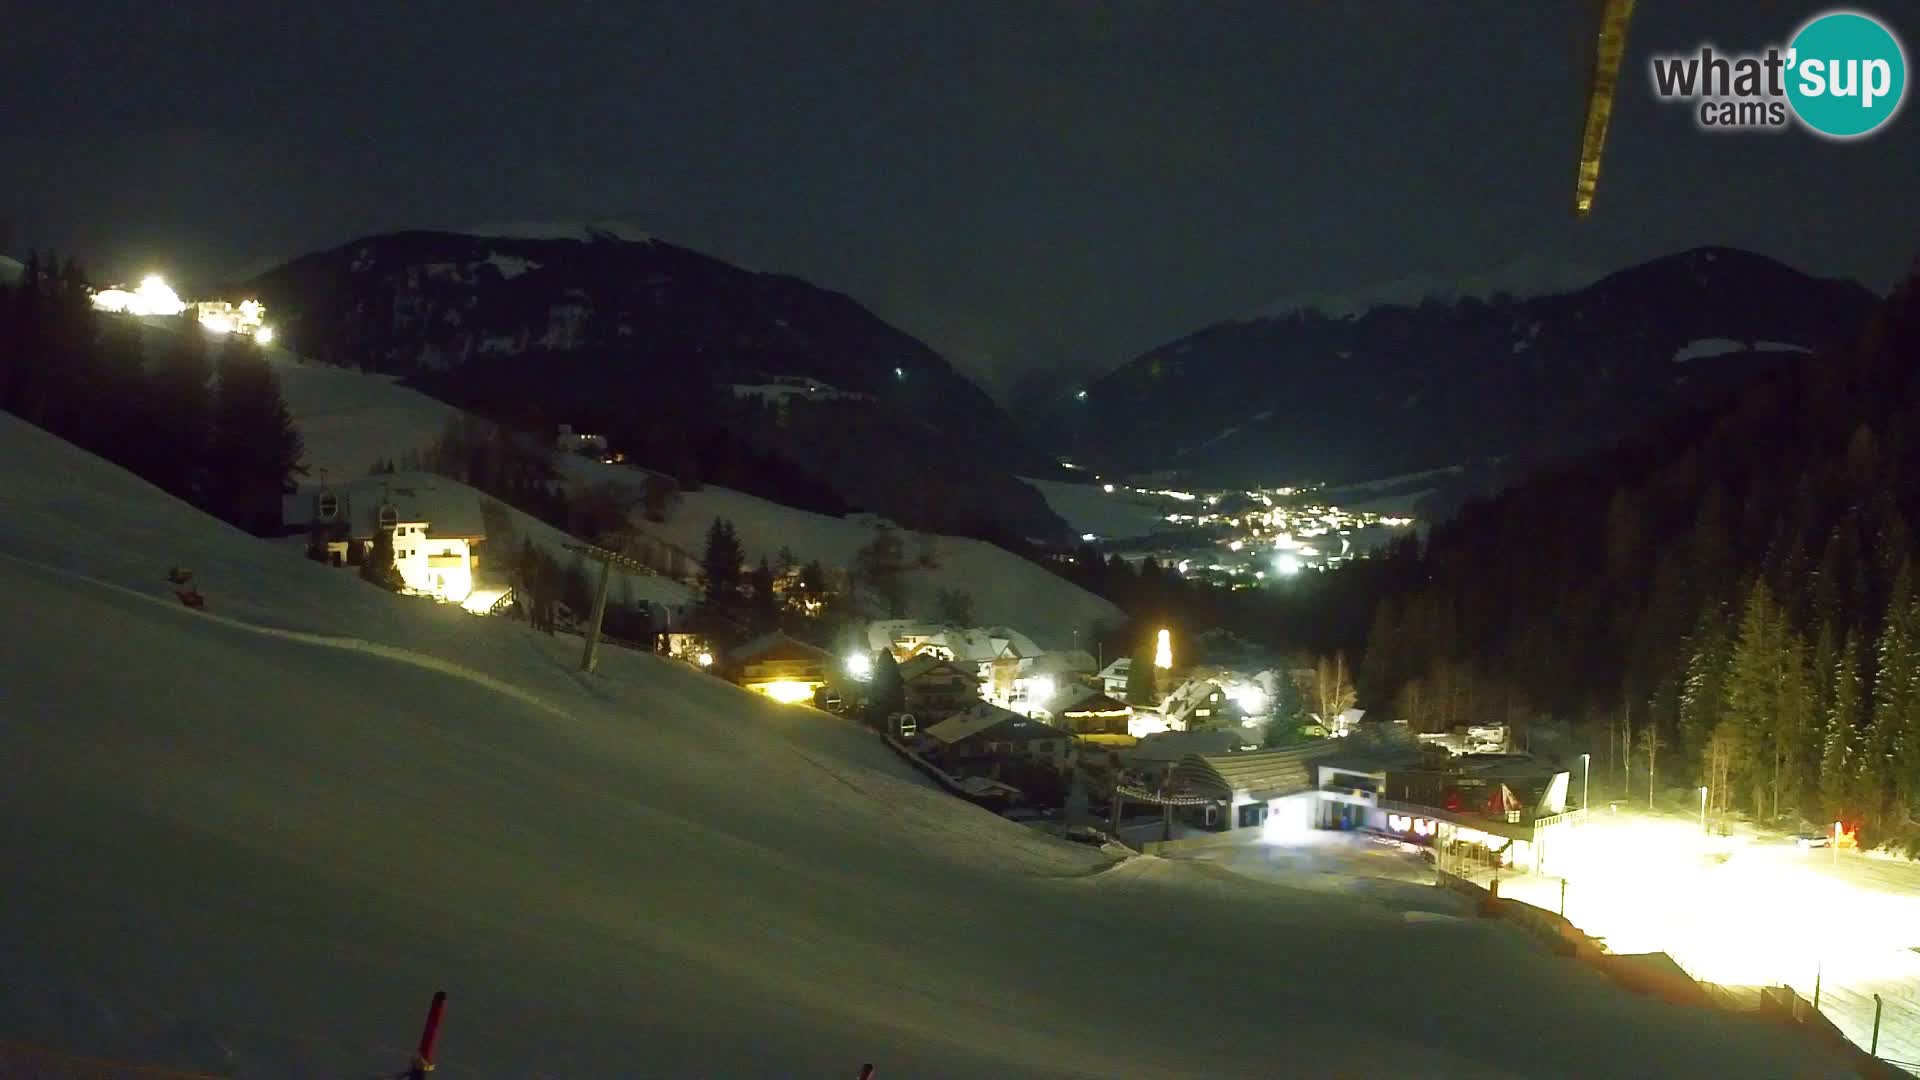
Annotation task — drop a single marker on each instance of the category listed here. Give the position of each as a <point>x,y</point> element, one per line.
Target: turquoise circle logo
<point>1847,74</point>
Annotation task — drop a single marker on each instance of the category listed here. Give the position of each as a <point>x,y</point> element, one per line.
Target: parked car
<point>1813,840</point>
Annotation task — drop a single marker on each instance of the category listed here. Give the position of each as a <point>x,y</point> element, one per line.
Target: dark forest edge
<point>1729,597</point>
<point>200,418</point>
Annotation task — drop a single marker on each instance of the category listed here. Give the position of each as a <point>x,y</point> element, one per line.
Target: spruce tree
<point>888,693</point>
<point>763,612</point>
<point>1887,767</point>
<point>1752,706</point>
<point>1837,750</point>
<point>256,450</point>
<point>1143,678</point>
<point>180,414</point>
<point>720,571</point>
<point>378,567</point>
<point>881,566</point>
<point>113,399</point>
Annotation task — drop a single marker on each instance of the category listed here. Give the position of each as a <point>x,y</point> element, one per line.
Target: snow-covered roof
<point>971,721</point>
<point>925,662</point>
<point>10,271</point>
<point>882,633</point>
<point>778,646</point>
<point>1085,699</point>
<point>1060,662</point>
<point>1167,746</point>
<point>1257,774</point>
<point>1191,695</point>
<point>447,509</point>
<point>1119,669</point>
<point>966,643</point>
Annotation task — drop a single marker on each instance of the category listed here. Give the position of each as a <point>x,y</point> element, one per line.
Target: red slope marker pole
<point>423,1059</point>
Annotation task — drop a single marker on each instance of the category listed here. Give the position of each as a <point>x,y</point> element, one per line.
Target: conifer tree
<point>720,571</point>
<point>888,694</point>
<point>763,611</point>
<point>180,414</point>
<point>378,567</point>
<point>256,450</point>
<point>1753,695</point>
<point>1143,678</point>
<point>1892,736</point>
<point>1838,750</point>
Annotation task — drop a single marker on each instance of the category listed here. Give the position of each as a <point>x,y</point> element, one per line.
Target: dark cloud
<point>1026,185</point>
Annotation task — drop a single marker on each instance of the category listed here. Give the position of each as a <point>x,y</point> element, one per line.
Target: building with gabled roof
<point>780,667</point>
<point>937,688</point>
<point>985,730</point>
<point>1201,703</point>
<point>434,524</point>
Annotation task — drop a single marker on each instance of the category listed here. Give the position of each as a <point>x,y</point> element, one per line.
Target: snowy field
<point>1750,910</point>
<point>253,840</point>
<point>1115,515</point>
<point>1006,589</point>
<point>351,420</point>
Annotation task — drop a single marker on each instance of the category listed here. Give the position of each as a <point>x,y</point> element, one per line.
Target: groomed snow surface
<point>253,840</point>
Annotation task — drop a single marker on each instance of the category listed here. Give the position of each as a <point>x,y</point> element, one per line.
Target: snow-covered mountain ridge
<point>1351,388</point>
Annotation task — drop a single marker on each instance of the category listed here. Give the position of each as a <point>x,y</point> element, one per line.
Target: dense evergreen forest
<point>200,416</point>
<point>1728,599</point>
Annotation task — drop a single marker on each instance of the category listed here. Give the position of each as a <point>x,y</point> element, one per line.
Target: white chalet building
<point>435,526</point>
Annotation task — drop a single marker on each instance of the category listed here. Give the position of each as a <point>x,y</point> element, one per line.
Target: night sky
<point>1026,184</point>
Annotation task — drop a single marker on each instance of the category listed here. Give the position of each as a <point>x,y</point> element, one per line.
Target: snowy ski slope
<point>252,840</point>
<point>350,420</point>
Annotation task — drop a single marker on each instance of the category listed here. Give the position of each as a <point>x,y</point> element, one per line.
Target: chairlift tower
<point>607,558</point>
